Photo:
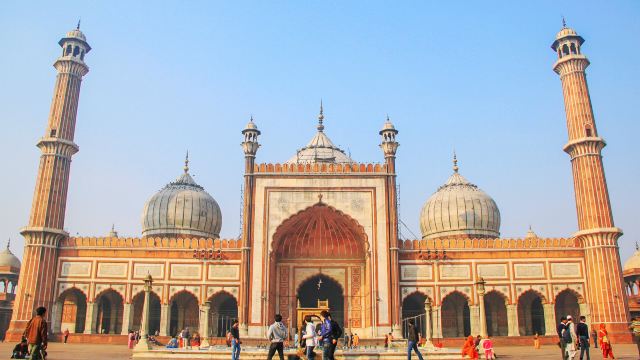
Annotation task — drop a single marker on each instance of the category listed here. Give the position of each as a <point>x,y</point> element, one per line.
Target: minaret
<point>250,147</point>
<point>389,147</point>
<point>597,233</point>
<point>46,222</point>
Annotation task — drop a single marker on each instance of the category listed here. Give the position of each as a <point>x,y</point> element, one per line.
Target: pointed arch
<point>223,311</point>
<point>456,315</point>
<point>110,309</point>
<point>320,231</point>
<point>495,305</point>
<point>73,302</point>
<point>531,319</point>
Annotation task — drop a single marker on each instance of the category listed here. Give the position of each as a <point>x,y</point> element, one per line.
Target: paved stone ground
<point>58,351</point>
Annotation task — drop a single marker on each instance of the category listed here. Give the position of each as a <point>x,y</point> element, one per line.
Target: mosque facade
<point>321,226</point>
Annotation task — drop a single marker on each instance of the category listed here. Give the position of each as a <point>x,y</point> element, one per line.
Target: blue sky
<point>170,76</point>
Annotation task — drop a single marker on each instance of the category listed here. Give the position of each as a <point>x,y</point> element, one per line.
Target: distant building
<point>9,272</point>
<point>322,226</point>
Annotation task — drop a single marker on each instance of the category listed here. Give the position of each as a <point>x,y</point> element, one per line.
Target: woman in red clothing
<point>469,348</point>
<point>605,344</point>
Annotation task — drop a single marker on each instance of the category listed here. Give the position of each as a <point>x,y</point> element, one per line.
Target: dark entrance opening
<point>322,287</point>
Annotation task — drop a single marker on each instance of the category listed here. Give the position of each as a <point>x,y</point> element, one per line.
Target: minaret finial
<point>9,244</point>
<point>78,27</point>
<point>564,22</point>
<point>321,117</point>
<point>637,246</point>
<point>388,118</point>
<point>455,162</point>
<point>186,163</point>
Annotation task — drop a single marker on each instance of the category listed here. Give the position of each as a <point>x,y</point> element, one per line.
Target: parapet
<point>496,243</point>
<point>151,242</point>
<point>320,168</point>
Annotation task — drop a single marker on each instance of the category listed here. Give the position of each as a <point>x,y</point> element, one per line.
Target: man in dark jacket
<point>326,338</point>
<point>582,330</point>
<point>563,345</point>
<point>36,334</point>
<point>413,339</point>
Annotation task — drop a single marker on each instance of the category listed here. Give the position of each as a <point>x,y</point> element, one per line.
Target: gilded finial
<point>455,162</point>
<point>186,163</point>
<point>564,23</point>
<point>321,117</point>
<point>9,244</point>
<point>320,198</point>
<point>637,246</point>
<point>78,27</point>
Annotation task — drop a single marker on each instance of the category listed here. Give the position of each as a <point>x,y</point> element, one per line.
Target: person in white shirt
<point>309,337</point>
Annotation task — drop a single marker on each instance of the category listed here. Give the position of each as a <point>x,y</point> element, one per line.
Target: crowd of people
<point>573,338</point>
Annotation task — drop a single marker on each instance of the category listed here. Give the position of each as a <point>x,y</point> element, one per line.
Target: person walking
<point>235,341</point>
<point>571,338</point>
<point>487,346</point>
<point>605,343</point>
<point>36,334</point>
<point>412,340</point>
<point>131,339</point>
<point>326,338</point>
<point>582,330</point>
<point>66,335</point>
<point>562,326</point>
<point>309,338</point>
<point>276,334</point>
<point>635,327</point>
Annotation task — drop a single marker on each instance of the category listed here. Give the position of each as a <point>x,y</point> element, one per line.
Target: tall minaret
<point>250,147</point>
<point>389,147</point>
<point>597,233</point>
<point>46,222</point>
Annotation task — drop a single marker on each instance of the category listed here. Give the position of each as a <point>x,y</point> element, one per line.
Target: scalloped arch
<point>320,231</point>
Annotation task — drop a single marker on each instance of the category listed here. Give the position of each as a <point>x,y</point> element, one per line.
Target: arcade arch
<point>413,307</point>
<point>74,310</point>
<point>154,312</point>
<point>222,313</point>
<point>531,314</point>
<point>184,313</point>
<point>567,304</point>
<point>495,308</point>
<point>456,319</point>
<point>109,312</point>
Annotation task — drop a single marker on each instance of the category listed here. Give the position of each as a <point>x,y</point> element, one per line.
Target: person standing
<point>186,338</point>
<point>356,340</point>
<point>36,334</point>
<point>487,345</point>
<point>605,343</point>
<point>326,338</point>
<point>582,331</point>
<point>131,339</point>
<point>412,340</point>
<point>536,341</point>
<point>235,341</point>
<point>346,340</point>
<point>571,338</point>
<point>469,348</point>
<point>562,326</point>
<point>635,326</point>
<point>309,338</point>
<point>66,335</point>
<point>594,338</point>
<point>276,334</point>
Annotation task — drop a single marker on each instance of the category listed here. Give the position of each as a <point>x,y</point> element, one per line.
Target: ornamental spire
<point>9,244</point>
<point>455,162</point>
<point>321,118</point>
<point>186,163</point>
<point>78,27</point>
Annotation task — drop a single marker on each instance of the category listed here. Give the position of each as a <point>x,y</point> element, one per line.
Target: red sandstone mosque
<point>320,230</point>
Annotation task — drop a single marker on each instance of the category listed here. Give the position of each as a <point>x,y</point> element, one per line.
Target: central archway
<point>322,287</point>
<point>319,243</point>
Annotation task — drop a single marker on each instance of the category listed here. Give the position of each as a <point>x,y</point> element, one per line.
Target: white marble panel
<point>73,269</point>
<point>112,270</point>
<point>527,271</point>
<point>493,271</point>
<point>455,272</point>
<point>186,271</point>
<point>416,272</point>
<point>224,272</point>
<point>140,270</point>
<point>566,270</point>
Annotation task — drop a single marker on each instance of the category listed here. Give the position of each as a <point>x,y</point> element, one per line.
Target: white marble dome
<point>8,259</point>
<point>459,208</point>
<point>182,209</point>
<point>633,262</point>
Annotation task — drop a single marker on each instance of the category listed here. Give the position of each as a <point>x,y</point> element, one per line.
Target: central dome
<point>460,208</point>
<point>320,149</point>
<point>182,209</point>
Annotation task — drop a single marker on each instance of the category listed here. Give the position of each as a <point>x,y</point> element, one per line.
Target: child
<point>536,341</point>
<point>20,350</point>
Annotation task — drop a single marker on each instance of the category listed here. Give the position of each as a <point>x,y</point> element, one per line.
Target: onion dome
<point>76,35</point>
<point>633,262</point>
<point>459,208</point>
<point>566,32</point>
<point>8,259</point>
<point>182,209</point>
<point>320,149</point>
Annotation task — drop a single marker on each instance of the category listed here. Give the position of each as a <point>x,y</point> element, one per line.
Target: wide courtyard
<point>58,351</point>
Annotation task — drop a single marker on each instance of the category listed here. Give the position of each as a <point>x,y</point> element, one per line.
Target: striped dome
<point>459,208</point>
<point>182,209</point>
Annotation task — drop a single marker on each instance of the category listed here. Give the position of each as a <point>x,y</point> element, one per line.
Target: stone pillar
<point>127,318</point>
<point>56,317</point>
<point>512,320</point>
<point>474,315</point>
<point>584,311</point>
<point>549,320</point>
<point>143,343</point>
<point>204,324</point>
<point>482,314</point>
<point>429,329</point>
<point>437,320</point>
<point>90,321</point>
<point>165,320</point>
